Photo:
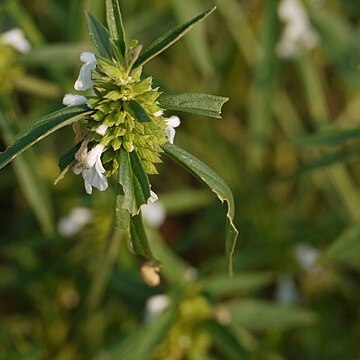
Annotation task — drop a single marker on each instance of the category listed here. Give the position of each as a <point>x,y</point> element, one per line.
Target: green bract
<point>121,128</point>
<point>126,106</point>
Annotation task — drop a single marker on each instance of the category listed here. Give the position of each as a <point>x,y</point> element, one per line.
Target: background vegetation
<point>287,145</point>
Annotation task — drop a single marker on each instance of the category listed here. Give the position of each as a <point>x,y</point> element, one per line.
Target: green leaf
<point>221,285</point>
<point>329,137</point>
<point>166,40</point>
<point>346,248</point>
<point>66,160</point>
<point>42,128</point>
<point>67,157</point>
<point>262,315</point>
<point>115,24</point>
<point>226,341</point>
<point>139,239</point>
<point>122,215</point>
<point>216,184</point>
<point>100,36</point>
<point>134,181</point>
<point>202,104</point>
<point>137,111</point>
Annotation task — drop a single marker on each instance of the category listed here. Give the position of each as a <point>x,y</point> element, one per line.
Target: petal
<point>16,39</point>
<point>173,121</point>
<point>170,133</point>
<point>99,166</point>
<point>84,81</point>
<point>153,197</point>
<point>88,57</point>
<point>82,154</point>
<point>74,99</point>
<point>88,187</point>
<point>95,179</point>
<point>94,154</point>
<point>101,130</point>
<point>159,113</point>
<point>78,168</point>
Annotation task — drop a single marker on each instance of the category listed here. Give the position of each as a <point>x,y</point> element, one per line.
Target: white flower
<point>84,81</point>
<point>153,197</point>
<point>155,305</point>
<point>172,123</point>
<point>191,274</point>
<point>154,214</point>
<point>102,129</point>
<point>74,222</point>
<point>298,34</point>
<point>90,166</point>
<point>286,292</point>
<point>74,99</point>
<point>16,39</point>
<point>159,113</point>
<point>307,256</point>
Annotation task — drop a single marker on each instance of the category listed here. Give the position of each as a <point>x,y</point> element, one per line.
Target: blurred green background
<point>288,146</point>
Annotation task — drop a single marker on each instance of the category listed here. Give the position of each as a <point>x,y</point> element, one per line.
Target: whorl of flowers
<point>114,124</point>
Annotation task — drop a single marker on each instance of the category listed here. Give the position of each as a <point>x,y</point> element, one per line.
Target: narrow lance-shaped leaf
<point>115,24</point>
<point>134,181</point>
<point>122,215</point>
<point>66,161</point>
<point>216,184</point>
<point>202,104</point>
<point>100,36</point>
<point>139,239</point>
<point>169,38</point>
<point>42,128</point>
<point>137,111</point>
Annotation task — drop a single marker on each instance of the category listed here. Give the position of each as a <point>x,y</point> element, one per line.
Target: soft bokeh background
<point>287,146</point>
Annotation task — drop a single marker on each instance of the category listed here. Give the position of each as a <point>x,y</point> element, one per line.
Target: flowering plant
<point>121,128</point>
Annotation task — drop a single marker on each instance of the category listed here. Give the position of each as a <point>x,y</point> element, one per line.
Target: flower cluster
<point>115,94</point>
<point>298,34</point>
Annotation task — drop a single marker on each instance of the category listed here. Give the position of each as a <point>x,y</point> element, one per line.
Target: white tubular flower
<point>90,166</point>
<point>153,197</point>
<point>159,113</point>
<point>172,123</point>
<point>307,257</point>
<point>84,81</point>
<point>16,39</point>
<point>298,34</point>
<point>102,129</point>
<point>74,222</point>
<point>286,292</point>
<point>74,99</point>
<point>156,304</point>
<point>154,214</point>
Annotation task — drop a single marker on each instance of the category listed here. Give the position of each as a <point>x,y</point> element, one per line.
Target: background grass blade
<point>33,186</point>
